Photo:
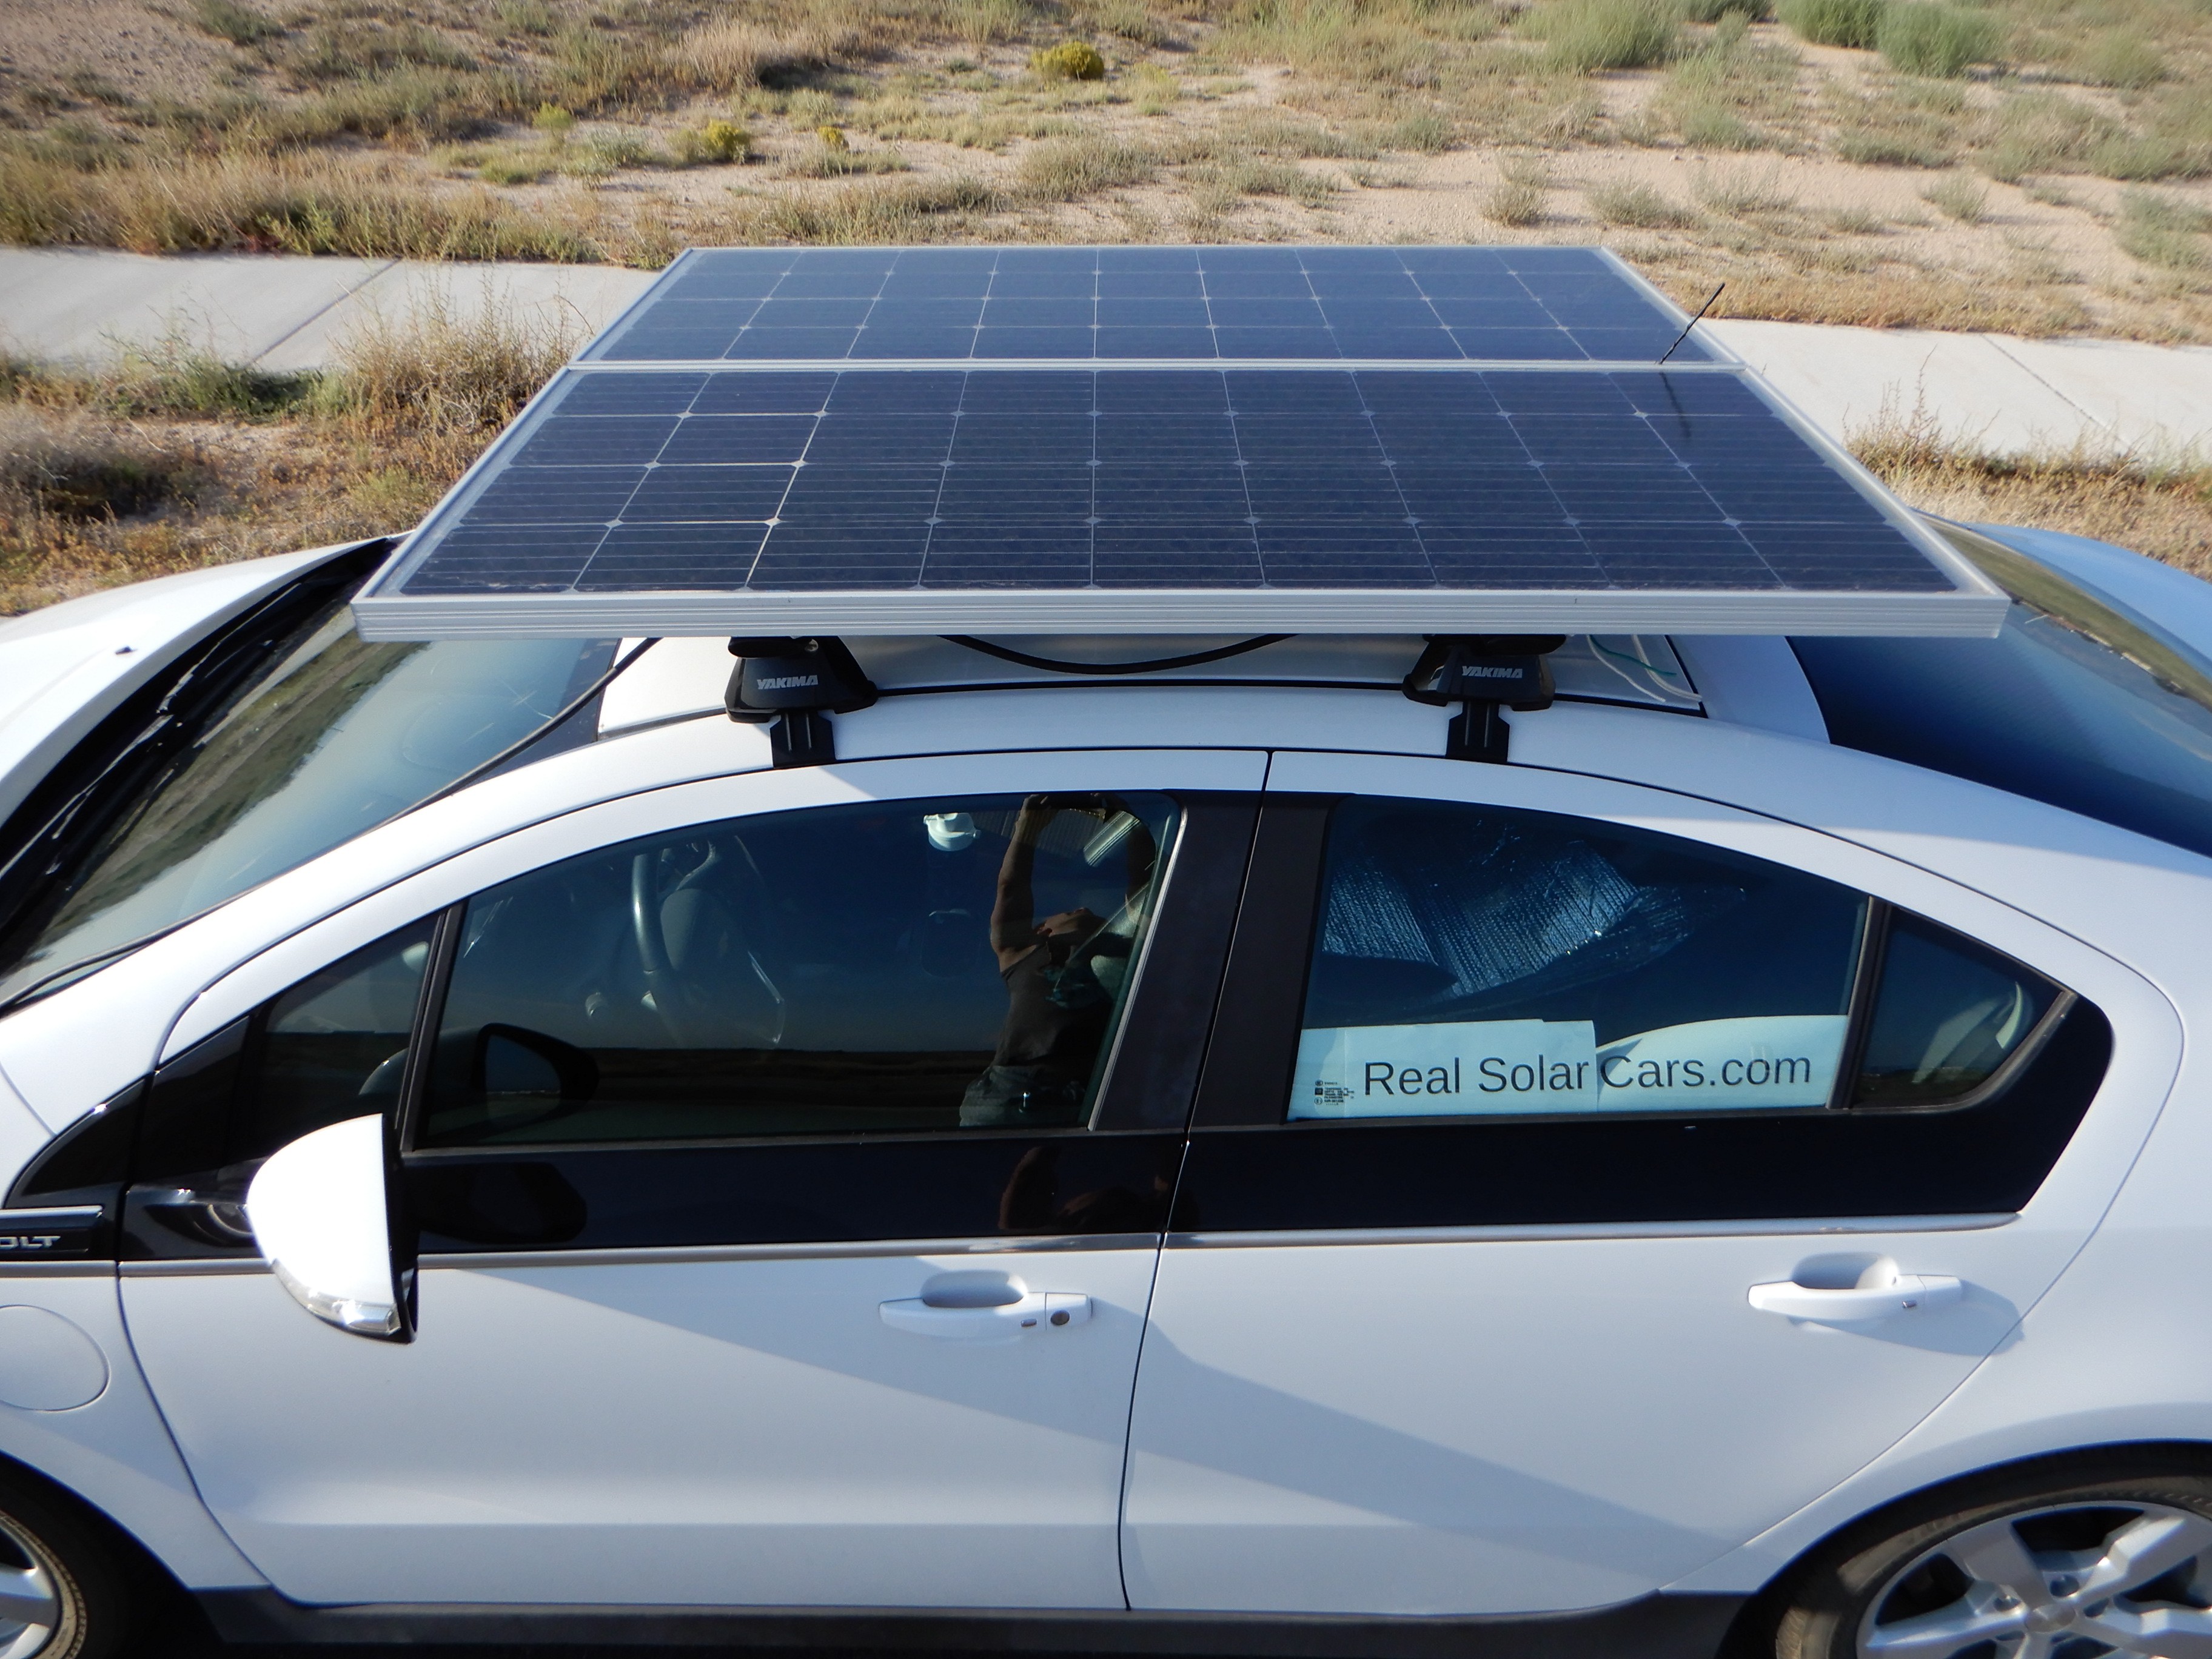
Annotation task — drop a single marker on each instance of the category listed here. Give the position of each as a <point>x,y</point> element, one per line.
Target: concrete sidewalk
<point>1987,390</point>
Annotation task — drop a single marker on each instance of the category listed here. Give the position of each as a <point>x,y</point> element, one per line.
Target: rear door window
<point>1478,961</point>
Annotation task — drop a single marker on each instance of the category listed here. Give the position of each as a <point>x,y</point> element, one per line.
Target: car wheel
<point>61,1593</point>
<point>2075,1569</point>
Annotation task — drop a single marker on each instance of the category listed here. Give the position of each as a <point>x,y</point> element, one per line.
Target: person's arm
<point>1013,914</point>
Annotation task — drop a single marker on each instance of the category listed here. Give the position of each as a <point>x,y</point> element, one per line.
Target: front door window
<point>908,968</point>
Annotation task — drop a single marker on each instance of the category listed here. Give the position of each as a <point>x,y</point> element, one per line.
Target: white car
<point>1879,1319</point>
<point>1155,1147</point>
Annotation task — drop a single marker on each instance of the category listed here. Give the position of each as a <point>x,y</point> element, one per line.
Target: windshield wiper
<point>43,843</point>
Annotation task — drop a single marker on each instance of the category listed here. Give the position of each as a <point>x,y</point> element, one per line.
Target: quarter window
<point>331,1048</point>
<point>894,967</point>
<point>1947,1016</point>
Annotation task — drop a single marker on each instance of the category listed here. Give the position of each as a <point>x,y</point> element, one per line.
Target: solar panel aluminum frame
<point>1975,607</point>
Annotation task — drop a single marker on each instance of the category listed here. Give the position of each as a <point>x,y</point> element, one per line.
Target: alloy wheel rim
<point>30,1594</point>
<point>2071,1581</point>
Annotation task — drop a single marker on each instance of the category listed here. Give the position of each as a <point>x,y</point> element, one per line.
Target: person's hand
<point>1037,811</point>
<point>1093,806</point>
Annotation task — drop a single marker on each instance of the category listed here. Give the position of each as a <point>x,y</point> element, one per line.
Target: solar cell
<point>1260,487</point>
<point>772,305</point>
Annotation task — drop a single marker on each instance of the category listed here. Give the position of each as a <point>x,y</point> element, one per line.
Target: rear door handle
<point>1032,1312</point>
<point>1903,1294</point>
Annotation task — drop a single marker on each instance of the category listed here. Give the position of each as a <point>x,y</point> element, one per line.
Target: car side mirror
<point>320,1210</point>
<point>511,1060</point>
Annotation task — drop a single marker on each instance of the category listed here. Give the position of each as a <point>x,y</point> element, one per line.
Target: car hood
<point>62,669</point>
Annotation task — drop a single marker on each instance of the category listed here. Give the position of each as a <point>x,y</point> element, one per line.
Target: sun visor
<point>895,441</point>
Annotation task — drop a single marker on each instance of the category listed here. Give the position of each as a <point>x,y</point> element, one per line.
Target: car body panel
<point>115,1451</point>
<point>684,1432</point>
<point>777,1442</point>
<point>2114,1349</point>
<point>1275,1467</point>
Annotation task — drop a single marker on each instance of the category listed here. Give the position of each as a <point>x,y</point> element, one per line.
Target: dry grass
<point>173,461</point>
<point>623,130</point>
<point>1877,299</point>
<point>1639,206</point>
<point>1068,169</point>
<point>2162,508</point>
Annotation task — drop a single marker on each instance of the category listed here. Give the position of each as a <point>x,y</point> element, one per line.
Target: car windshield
<point>333,737</point>
<point>2076,702</point>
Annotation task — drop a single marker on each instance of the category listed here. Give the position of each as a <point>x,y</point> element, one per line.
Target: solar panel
<point>1144,304</point>
<point>818,488</point>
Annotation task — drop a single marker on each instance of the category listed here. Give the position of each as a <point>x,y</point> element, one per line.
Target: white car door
<point>1590,1178</point>
<point>784,1240</point>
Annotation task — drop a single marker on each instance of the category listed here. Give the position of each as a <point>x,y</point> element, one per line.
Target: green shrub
<point>888,210</point>
<point>1515,202</point>
<point>428,106</point>
<point>1834,22</point>
<point>2045,132</point>
<point>608,151</point>
<point>1711,11</point>
<point>1874,146</point>
<point>1068,169</point>
<point>2120,57</point>
<point>510,170</point>
<point>2139,160</point>
<point>1705,125</point>
<point>1587,36</point>
<point>554,122</point>
<point>1638,206</point>
<point>718,141</point>
<point>521,17</point>
<point>1072,60</point>
<point>1924,37</point>
<point>1958,198</point>
<point>239,25</point>
<point>2159,230</point>
<point>349,51</point>
<point>171,379</point>
<point>832,138</point>
<point>1425,131</point>
<point>846,163</point>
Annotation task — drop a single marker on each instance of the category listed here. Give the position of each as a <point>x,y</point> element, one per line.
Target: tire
<point>2037,1564</point>
<point>50,1555</point>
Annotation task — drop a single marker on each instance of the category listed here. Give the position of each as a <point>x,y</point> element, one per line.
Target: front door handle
<point>1030,1312</point>
<point>1897,1293</point>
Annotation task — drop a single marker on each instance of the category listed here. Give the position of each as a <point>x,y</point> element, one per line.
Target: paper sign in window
<point>1773,1060</point>
<point>1447,1070</point>
<point>1526,1066</point>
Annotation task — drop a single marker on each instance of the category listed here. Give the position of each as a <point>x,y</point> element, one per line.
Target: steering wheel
<point>672,996</point>
<point>661,983</point>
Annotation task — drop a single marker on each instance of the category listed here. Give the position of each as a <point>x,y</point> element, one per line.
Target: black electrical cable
<point>532,738</point>
<point>1156,665</point>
